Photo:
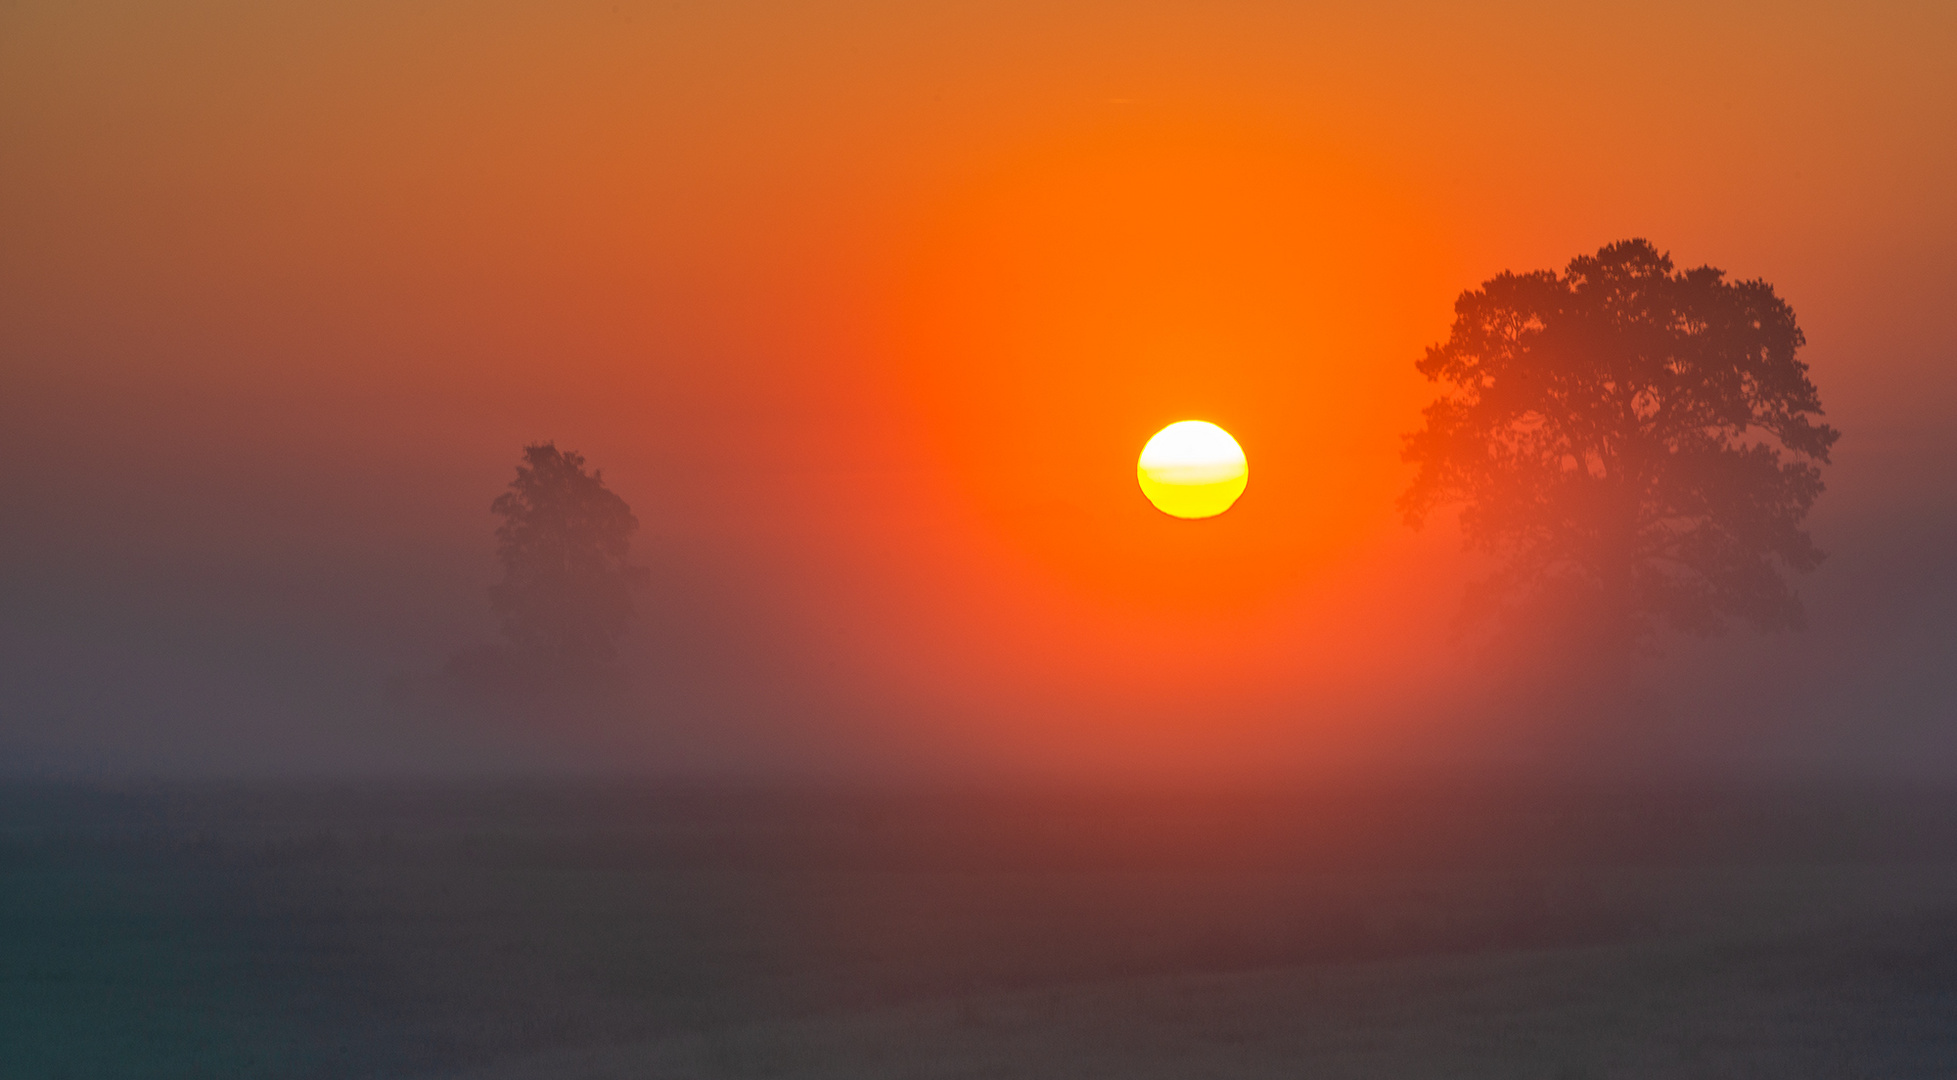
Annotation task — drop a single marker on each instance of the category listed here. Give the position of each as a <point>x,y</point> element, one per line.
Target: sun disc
<point>1192,469</point>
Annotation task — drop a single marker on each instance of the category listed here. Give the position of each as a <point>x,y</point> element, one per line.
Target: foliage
<point>566,593</point>
<point>1631,444</point>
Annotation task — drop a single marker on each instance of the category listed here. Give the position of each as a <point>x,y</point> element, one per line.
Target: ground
<point>570,931</point>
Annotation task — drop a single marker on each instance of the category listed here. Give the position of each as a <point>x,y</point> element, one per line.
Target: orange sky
<point>867,310</point>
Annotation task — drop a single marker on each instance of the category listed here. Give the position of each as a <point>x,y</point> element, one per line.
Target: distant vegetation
<point>1635,447</point>
<point>566,595</point>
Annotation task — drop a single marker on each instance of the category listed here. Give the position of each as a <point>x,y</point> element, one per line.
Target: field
<point>640,930</point>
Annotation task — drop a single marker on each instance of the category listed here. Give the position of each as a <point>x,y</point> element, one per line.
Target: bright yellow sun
<point>1192,469</point>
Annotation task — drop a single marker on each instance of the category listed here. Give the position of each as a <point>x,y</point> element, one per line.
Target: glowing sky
<point>867,308</point>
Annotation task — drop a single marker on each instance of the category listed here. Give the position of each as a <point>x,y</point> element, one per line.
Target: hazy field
<point>619,930</point>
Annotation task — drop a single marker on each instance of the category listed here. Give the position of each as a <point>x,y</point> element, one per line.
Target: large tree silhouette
<point>566,594</point>
<point>1635,447</point>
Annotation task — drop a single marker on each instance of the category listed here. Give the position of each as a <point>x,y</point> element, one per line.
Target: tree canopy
<point>566,594</point>
<point>1634,446</point>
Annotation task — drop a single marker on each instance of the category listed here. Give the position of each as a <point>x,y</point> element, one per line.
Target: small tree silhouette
<point>566,593</point>
<point>1633,445</point>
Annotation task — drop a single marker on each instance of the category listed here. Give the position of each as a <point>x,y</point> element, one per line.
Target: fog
<point>284,297</point>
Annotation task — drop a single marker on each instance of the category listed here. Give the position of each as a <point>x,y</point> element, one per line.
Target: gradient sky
<point>867,309</point>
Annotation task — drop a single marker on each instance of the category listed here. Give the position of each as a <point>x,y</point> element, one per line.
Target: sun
<point>1192,469</point>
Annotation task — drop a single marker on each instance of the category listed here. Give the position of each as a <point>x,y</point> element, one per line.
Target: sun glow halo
<point>1192,469</point>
